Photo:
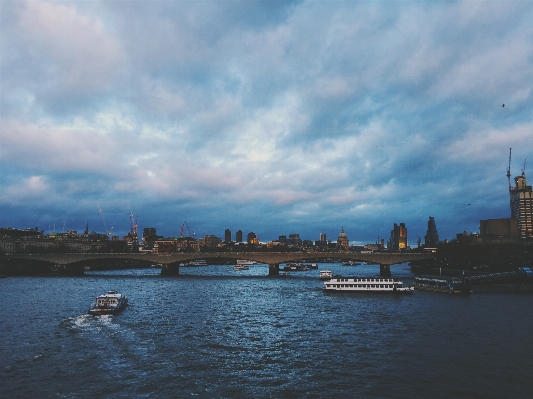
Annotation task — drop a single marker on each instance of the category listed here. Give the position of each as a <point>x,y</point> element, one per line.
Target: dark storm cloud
<point>275,116</point>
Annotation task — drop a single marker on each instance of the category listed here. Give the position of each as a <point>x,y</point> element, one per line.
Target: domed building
<point>342,241</point>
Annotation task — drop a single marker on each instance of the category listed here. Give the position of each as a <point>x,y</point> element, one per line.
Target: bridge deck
<point>382,258</point>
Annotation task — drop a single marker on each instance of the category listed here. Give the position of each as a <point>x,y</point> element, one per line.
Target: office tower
<point>238,236</point>
<point>398,238</point>
<point>322,237</point>
<point>432,237</point>
<point>251,238</point>
<point>227,236</point>
<point>149,234</point>
<point>521,197</point>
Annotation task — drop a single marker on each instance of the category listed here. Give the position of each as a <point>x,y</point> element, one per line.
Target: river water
<point>217,333</point>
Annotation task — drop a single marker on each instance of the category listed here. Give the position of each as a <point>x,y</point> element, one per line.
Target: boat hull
<point>405,290</point>
<point>106,311</point>
<point>366,285</point>
<point>110,303</point>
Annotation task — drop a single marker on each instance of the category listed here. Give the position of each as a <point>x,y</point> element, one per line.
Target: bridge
<point>171,261</point>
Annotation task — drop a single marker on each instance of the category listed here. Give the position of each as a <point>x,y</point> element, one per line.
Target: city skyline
<point>266,117</point>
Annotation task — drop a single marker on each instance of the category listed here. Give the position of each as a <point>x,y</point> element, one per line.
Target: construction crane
<point>182,229</point>
<point>509,171</point>
<point>108,232</point>
<point>509,181</point>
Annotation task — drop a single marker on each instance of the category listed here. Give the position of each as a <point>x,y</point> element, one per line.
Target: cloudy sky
<point>275,117</point>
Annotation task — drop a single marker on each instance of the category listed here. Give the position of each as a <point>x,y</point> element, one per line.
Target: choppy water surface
<point>218,333</point>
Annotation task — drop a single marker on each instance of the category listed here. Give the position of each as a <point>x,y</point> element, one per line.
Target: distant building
<point>342,241</point>
<point>294,240</point>
<point>209,241</point>
<point>178,244</point>
<point>498,227</point>
<point>307,243</point>
<point>238,236</point>
<point>252,239</point>
<point>323,237</point>
<point>227,236</point>
<point>432,237</point>
<point>398,238</point>
<point>521,197</point>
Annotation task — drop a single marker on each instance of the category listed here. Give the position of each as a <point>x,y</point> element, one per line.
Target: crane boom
<point>108,232</point>
<point>509,181</point>
<point>182,229</point>
<point>509,170</point>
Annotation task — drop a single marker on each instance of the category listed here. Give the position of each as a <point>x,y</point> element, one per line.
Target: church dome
<point>342,240</point>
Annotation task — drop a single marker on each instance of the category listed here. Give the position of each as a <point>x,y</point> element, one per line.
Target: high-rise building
<point>398,238</point>
<point>149,234</point>
<point>432,237</point>
<point>322,237</point>
<point>238,236</point>
<point>251,238</point>
<point>227,236</point>
<point>521,197</point>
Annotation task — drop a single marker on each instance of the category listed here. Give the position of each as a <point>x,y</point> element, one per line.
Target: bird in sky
<point>503,105</point>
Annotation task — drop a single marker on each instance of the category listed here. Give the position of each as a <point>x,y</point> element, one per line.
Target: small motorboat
<point>325,275</point>
<point>109,303</point>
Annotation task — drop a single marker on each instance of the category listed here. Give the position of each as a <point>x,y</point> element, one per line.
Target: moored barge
<point>451,285</point>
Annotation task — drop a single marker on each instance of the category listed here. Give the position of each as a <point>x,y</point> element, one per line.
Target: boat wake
<point>86,322</point>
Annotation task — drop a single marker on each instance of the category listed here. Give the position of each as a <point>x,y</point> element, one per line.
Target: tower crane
<point>108,232</point>
<point>509,171</point>
<point>182,229</point>
<point>509,181</point>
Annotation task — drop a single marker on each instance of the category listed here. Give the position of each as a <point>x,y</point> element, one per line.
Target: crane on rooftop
<point>182,230</point>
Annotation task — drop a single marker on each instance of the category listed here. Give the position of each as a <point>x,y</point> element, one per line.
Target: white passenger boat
<point>109,303</point>
<point>243,262</point>
<point>366,284</point>
<point>200,262</point>
<point>241,267</point>
<point>325,274</point>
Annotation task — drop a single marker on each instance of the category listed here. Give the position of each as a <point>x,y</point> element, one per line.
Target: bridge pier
<point>384,270</point>
<point>170,269</point>
<point>273,269</point>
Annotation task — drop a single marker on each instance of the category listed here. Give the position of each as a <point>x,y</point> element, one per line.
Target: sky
<point>274,117</point>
